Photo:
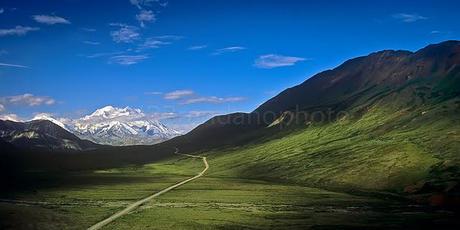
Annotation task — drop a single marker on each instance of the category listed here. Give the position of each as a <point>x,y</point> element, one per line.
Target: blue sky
<point>192,58</point>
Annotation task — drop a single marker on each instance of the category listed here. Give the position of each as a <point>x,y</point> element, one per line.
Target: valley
<point>372,143</point>
<point>79,200</point>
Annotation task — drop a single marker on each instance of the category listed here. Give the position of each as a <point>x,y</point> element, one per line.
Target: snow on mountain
<point>49,117</point>
<point>115,126</point>
<point>122,126</point>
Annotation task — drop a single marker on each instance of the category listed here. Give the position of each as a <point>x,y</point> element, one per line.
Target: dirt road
<point>147,199</point>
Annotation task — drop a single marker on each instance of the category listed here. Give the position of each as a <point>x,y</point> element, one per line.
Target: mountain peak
<point>111,112</point>
<point>387,68</point>
<point>48,117</point>
<point>122,126</point>
<point>42,134</point>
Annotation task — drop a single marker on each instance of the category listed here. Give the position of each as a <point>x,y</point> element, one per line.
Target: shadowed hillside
<point>387,121</point>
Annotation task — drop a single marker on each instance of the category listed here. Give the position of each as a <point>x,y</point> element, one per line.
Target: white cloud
<point>50,19</point>
<point>10,117</point>
<point>145,16</point>
<point>147,3</point>
<point>187,97</point>
<point>13,65</point>
<point>91,42</point>
<point>212,100</point>
<point>153,93</point>
<point>197,47</point>
<point>270,61</point>
<point>230,49</point>
<point>2,10</point>
<point>405,17</point>
<point>178,94</point>
<point>2,108</point>
<point>152,43</point>
<point>88,29</point>
<point>18,31</point>
<point>158,41</point>
<point>127,59</point>
<point>169,37</point>
<point>28,100</point>
<point>163,4</point>
<point>198,114</point>
<point>142,3</point>
<point>136,3</point>
<point>161,115</point>
<point>96,55</point>
<point>439,32</point>
<point>126,33</point>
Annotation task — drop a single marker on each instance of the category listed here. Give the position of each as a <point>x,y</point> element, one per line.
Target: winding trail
<point>136,204</point>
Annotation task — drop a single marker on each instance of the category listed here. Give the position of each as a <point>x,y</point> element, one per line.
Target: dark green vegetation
<point>384,122</point>
<point>362,145</point>
<point>79,199</point>
<point>76,200</point>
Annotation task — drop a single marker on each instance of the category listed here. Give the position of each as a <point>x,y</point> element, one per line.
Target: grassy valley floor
<point>78,200</point>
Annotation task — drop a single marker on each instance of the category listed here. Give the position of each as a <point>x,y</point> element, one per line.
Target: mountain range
<point>107,126</point>
<point>42,135</point>
<point>121,126</point>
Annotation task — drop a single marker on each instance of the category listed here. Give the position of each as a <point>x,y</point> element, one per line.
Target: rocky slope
<point>42,135</point>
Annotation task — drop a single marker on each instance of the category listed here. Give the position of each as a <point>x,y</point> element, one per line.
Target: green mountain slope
<point>384,122</point>
<point>396,79</point>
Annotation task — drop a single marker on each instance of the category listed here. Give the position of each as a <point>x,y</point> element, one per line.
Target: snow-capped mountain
<point>115,126</point>
<point>45,116</point>
<point>42,134</point>
<point>121,126</point>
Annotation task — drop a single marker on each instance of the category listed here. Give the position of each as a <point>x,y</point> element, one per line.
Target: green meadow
<point>358,172</point>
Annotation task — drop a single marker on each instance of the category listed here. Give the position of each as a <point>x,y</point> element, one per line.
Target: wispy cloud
<point>143,3</point>
<point>91,43</point>
<point>18,31</point>
<point>103,54</point>
<point>162,115</point>
<point>2,108</point>
<point>152,43</point>
<point>186,97</point>
<point>230,49</point>
<point>405,17</point>
<point>439,32</point>
<point>125,33</point>
<point>27,100</point>
<point>178,94</point>
<point>197,47</point>
<point>13,65</point>
<point>163,4</point>
<point>169,37</point>
<point>270,61</point>
<point>127,59</point>
<point>50,19</point>
<point>212,100</point>
<point>145,16</point>
<point>197,114</point>
<point>2,10</point>
<point>88,29</point>
<point>153,93</point>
